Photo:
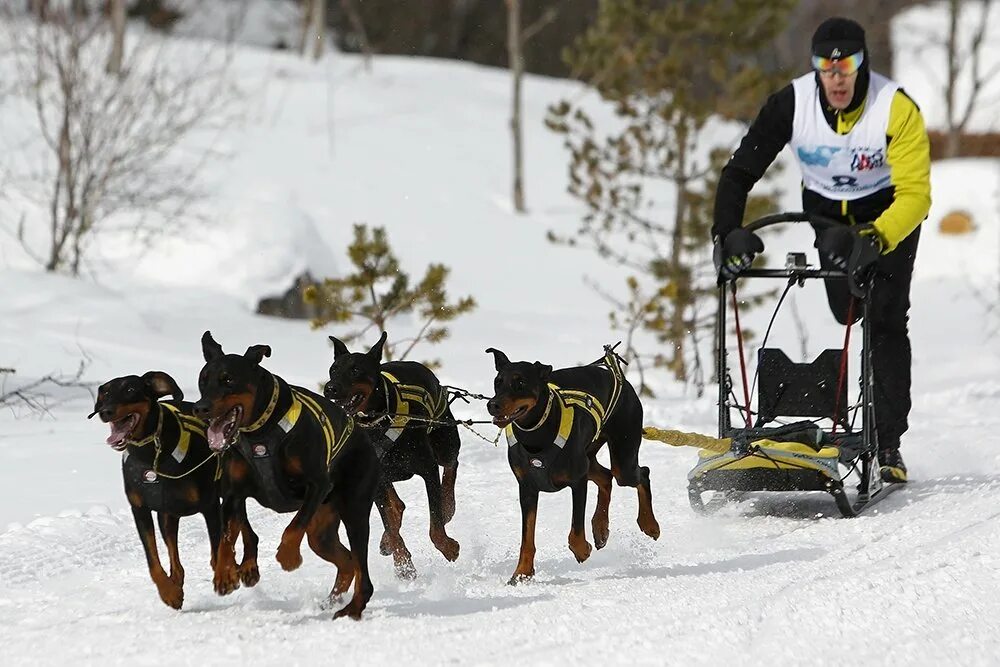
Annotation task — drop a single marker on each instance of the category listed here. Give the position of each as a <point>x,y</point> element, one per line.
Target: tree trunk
<point>117,10</point>
<point>313,28</point>
<point>678,334</point>
<point>358,26</point>
<point>954,130</point>
<point>515,58</point>
<point>39,8</point>
<point>319,28</point>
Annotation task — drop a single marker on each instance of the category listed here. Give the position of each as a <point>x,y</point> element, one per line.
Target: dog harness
<point>538,464</point>
<point>147,478</point>
<point>263,451</point>
<point>405,395</point>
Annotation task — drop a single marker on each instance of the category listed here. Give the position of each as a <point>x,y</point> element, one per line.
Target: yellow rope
<point>682,439</point>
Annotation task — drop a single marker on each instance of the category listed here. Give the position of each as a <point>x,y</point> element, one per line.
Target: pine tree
<point>378,292</point>
<point>668,69</point>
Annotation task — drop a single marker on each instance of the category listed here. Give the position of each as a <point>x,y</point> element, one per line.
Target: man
<point>865,158</point>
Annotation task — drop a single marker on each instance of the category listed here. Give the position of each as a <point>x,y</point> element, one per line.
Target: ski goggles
<point>845,66</point>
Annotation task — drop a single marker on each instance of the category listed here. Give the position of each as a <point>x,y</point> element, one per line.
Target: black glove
<point>852,251</point>
<point>735,253</point>
<point>836,244</point>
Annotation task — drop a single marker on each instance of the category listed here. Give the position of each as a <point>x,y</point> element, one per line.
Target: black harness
<point>539,464</point>
<point>148,478</point>
<point>262,444</point>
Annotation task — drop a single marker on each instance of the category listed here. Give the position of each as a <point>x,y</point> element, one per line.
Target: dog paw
<point>226,580</point>
<point>448,547</point>
<point>384,546</point>
<point>289,557</point>
<point>352,610</point>
<point>651,527</point>
<point>177,576</point>
<point>581,549</point>
<point>171,594</point>
<point>520,578</point>
<point>249,573</point>
<point>601,533</point>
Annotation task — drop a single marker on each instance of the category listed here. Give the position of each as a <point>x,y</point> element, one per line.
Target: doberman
<point>556,422</point>
<point>169,469</point>
<point>389,396</point>
<point>290,450</point>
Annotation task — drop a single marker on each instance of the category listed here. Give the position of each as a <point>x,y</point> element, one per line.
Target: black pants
<point>890,339</point>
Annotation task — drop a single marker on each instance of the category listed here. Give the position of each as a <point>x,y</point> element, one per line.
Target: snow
<point>421,147</point>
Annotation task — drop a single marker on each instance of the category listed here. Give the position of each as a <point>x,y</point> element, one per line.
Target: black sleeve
<point>768,134</point>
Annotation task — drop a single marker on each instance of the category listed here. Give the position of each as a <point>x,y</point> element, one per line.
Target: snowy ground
<point>420,147</point>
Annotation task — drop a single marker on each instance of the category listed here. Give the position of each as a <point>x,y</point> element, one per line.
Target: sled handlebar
<point>795,216</point>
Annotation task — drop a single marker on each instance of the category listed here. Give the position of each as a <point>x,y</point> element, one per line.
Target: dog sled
<point>804,434</point>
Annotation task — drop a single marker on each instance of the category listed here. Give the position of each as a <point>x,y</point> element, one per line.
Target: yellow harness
<point>186,426</point>
<point>571,399</point>
<point>300,401</point>
<point>406,394</point>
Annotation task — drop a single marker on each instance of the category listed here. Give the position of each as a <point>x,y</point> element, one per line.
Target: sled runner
<point>805,435</point>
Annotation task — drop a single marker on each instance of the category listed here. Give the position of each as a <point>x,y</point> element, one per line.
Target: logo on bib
<point>866,159</point>
<point>844,181</point>
<point>818,156</point>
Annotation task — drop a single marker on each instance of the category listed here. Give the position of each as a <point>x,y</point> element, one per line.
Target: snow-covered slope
<point>420,147</point>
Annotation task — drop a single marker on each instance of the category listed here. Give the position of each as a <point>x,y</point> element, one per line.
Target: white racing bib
<point>842,166</point>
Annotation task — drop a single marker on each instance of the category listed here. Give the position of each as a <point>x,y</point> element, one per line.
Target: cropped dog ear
<point>544,370</point>
<point>499,358</point>
<point>256,353</point>
<point>376,351</point>
<point>210,348</point>
<point>160,384</point>
<point>339,349</point>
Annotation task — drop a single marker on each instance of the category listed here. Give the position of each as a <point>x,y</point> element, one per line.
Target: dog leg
<point>324,540</point>
<point>646,520</point>
<point>448,547</point>
<point>171,594</point>
<point>396,507</point>
<point>392,517</point>
<point>448,476</point>
<point>525,569</point>
<point>445,445</point>
<point>227,579</point>
<point>356,522</point>
<point>578,543</point>
<point>289,554</point>
<point>168,528</point>
<point>600,476</point>
<point>248,570</point>
<point>213,522</point>
<point>627,472</point>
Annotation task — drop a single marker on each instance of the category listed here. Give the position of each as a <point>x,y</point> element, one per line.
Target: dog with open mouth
<point>556,422</point>
<point>167,468</point>
<point>291,450</point>
<point>393,397</point>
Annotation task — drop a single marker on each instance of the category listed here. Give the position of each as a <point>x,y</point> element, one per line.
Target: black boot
<point>892,467</point>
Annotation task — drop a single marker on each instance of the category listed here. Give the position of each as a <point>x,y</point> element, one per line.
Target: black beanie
<point>838,37</point>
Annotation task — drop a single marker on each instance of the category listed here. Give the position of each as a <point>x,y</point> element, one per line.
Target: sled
<point>804,435</point>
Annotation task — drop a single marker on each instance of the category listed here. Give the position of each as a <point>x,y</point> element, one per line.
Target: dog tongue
<point>120,430</point>
<point>215,433</point>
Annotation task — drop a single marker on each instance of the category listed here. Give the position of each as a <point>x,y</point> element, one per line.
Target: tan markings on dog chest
<point>293,465</point>
<point>237,469</point>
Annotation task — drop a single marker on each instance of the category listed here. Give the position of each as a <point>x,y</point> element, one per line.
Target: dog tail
<point>682,439</point>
